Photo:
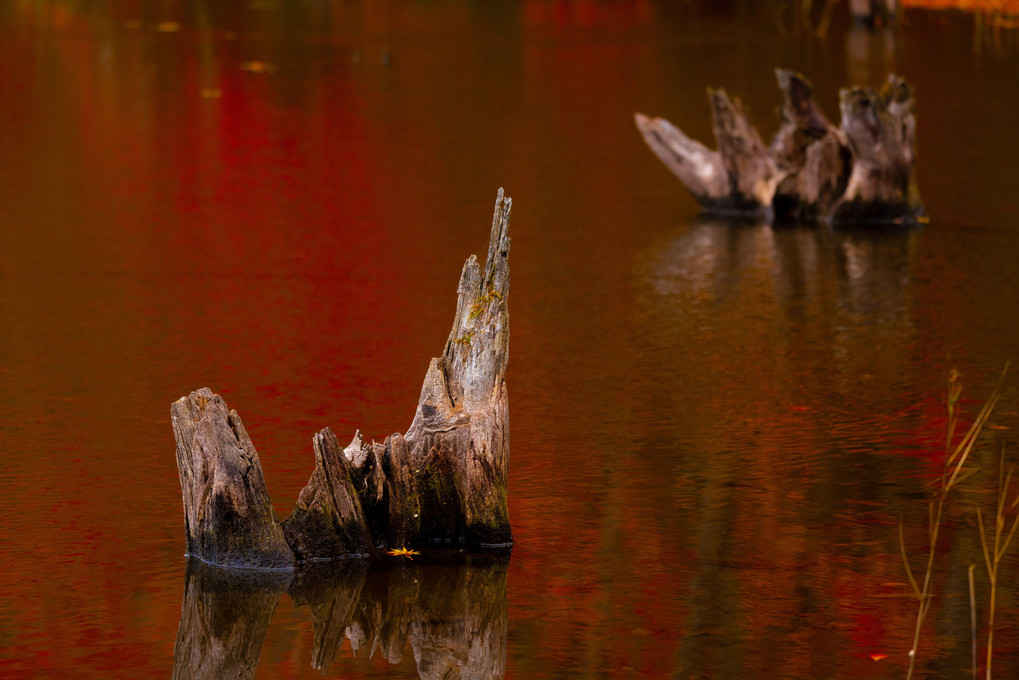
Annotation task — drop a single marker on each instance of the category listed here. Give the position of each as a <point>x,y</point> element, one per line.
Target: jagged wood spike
<point>753,174</point>
<point>328,521</point>
<point>459,438</point>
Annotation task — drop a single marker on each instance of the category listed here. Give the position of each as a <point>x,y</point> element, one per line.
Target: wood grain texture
<point>228,516</point>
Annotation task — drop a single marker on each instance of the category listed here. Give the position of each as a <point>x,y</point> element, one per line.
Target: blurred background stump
<point>859,172</point>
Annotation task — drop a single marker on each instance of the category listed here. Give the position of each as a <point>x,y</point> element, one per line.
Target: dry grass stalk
<point>973,619</point>
<point>955,459</point>
<point>992,559</point>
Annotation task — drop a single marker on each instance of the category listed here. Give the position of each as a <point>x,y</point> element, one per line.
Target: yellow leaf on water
<point>403,552</point>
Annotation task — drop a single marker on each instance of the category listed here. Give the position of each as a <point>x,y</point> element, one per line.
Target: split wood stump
<point>441,482</point>
<point>861,171</point>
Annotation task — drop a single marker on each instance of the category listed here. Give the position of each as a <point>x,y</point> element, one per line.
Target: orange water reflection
<point>716,426</point>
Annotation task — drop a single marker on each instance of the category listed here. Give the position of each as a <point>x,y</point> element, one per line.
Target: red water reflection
<point>716,427</point>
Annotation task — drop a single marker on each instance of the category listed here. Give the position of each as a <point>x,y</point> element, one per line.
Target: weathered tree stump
<point>810,151</point>
<point>881,129</point>
<point>228,517</point>
<point>861,171</point>
<point>443,481</point>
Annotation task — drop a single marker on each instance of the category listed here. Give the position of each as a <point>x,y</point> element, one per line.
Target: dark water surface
<point>715,426</point>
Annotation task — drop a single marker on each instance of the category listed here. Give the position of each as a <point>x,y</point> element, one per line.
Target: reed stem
<point>955,459</point>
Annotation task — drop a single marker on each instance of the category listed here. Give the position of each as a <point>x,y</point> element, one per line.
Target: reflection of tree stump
<point>873,12</point>
<point>862,171</point>
<point>464,624</point>
<point>333,591</point>
<point>224,620</point>
<point>444,481</point>
<point>452,611</point>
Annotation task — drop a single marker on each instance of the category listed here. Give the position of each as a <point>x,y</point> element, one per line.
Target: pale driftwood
<point>444,481</point>
<point>740,177</point>
<point>862,171</point>
<point>228,517</point>
<point>697,166</point>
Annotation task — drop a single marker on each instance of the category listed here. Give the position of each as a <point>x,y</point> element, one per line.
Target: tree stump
<point>812,153</point>
<point>228,517</point>
<point>881,130</point>
<point>861,171</point>
<point>444,481</point>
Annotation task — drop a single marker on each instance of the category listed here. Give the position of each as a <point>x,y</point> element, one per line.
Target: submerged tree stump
<point>861,171</point>
<point>328,521</point>
<point>443,481</point>
<point>881,130</point>
<point>228,517</point>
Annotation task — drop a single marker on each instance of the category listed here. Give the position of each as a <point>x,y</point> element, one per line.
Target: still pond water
<point>715,427</point>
